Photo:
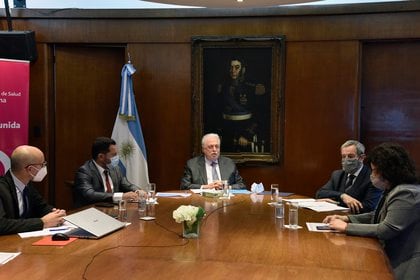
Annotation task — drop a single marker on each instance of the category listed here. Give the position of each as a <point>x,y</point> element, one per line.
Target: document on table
<point>47,231</point>
<point>6,257</point>
<point>240,192</point>
<point>318,206</point>
<point>172,194</point>
<point>322,206</point>
<point>198,191</point>
<point>319,227</point>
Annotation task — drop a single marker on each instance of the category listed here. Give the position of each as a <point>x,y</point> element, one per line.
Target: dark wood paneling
<point>163,95</point>
<point>87,99</point>
<point>321,112</point>
<point>39,108</point>
<point>391,95</point>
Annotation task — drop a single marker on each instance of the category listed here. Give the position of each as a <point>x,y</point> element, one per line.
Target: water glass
<point>122,210</point>
<point>293,215</point>
<point>142,205</point>
<point>151,191</point>
<point>150,209</point>
<point>279,209</point>
<point>274,192</point>
<point>226,190</point>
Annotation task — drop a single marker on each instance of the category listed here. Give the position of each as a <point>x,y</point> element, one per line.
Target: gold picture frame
<point>238,93</point>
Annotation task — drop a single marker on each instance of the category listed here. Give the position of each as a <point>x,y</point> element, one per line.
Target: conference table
<point>240,238</point>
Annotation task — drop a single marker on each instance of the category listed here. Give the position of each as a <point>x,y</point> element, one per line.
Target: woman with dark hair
<point>396,220</point>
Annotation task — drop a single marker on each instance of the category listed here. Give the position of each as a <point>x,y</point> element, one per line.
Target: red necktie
<point>108,183</point>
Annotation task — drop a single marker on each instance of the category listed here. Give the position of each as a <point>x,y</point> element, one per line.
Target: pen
<point>57,229</point>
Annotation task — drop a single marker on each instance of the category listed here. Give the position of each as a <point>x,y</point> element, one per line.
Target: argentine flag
<point>128,134</point>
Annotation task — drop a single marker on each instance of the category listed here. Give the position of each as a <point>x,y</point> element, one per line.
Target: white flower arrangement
<point>188,213</point>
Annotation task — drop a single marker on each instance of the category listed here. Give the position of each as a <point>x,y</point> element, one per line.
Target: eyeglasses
<point>42,164</point>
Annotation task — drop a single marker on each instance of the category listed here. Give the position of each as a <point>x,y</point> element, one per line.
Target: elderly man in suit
<point>351,186</point>
<point>207,171</point>
<point>100,179</point>
<point>21,206</point>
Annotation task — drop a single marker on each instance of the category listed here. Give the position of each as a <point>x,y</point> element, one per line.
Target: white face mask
<point>115,160</point>
<point>40,175</point>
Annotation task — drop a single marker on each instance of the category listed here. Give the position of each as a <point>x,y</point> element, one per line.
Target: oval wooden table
<point>239,239</point>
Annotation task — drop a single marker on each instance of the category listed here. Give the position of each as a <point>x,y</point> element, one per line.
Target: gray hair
<point>207,136</point>
<point>360,148</point>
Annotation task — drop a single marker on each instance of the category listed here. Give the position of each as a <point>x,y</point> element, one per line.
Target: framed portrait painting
<point>238,93</point>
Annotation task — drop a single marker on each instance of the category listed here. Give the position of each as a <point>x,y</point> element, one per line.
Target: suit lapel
<point>12,189</point>
<point>202,170</point>
<point>98,176</point>
<point>221,169</point>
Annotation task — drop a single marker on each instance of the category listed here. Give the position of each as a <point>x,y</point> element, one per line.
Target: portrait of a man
<point>239,97</point>
<point>238,94</point>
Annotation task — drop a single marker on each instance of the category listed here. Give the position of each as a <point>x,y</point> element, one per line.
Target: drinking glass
<point>142,205</point>
<point>274,192</point>
<point>293,215</point>
<point>279,208</point>
<point>226,191</point>
<point>151,191</point>
<point>122,210</point>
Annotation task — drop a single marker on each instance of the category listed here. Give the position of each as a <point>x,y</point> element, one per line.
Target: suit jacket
<point>397,227</point>
<point>362,189</point>
<point>89,188</point>
<point>195,173</point>
<point>10,221</point>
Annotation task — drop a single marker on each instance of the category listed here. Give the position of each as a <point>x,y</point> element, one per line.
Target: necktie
<point>25,202</point>
<point>349,181</point>
<point>214,174</point>
<point>108,183</point>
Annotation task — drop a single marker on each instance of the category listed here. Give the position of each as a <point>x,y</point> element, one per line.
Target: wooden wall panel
<point>163,95</point>
<point>321,104</point>
<point>391,95</point>
<point>86,100</point>
<point>39,109</point>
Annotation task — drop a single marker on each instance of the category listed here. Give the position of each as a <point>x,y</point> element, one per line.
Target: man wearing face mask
<point>351,186</point>
<point>21,206</point>
<point>100,179</point>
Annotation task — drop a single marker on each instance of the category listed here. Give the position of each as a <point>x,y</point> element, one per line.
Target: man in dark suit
<point>351,186</point>
<point>21,206</point>
<point>208,170</point>
<point>100,179</point>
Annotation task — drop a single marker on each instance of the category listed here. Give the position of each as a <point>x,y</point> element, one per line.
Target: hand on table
<point>354,205</point>
<point>54,218</point>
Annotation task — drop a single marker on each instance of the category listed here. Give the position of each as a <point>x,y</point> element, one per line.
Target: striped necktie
<point>214,174</point>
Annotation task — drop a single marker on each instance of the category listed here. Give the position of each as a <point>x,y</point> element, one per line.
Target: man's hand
<point>130,196</point>
<point>54,218</point>
<point>215,185</point>
<point>354,205</point>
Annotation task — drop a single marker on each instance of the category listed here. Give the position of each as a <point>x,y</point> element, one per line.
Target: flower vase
<point>192,231</point>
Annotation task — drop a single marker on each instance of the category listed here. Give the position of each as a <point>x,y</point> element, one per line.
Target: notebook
<point>92,224</point>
